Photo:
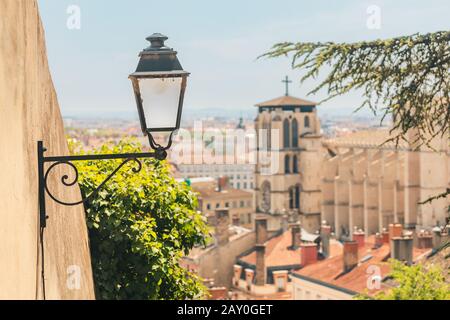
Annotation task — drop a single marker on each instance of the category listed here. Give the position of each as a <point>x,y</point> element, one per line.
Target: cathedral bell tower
<point>288,131</point>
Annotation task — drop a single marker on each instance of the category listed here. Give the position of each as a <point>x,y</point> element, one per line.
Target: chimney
<point>445,236</point>
<point>222,184</point>
<point>237,275</point>
<point>260,265</point>
<point>424,240</point>
<point>437,237</point>
<point>402,249</point>
<point>395,230</point>
<point>260,248</point>
<point>360,237</point>
<point>222,226</point>
<point>325,235</point>
<point>284,222</point>
<point>296,234</point>
<point>261,229</point>
<point>350,255</point>
<point>385,235</point>
<point>308,253</point>
<point>378,240</point>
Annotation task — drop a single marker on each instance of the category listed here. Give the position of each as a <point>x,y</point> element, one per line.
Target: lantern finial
<point>157,42</point>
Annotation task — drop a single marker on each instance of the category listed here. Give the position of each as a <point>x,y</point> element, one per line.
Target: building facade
<point>216,194</point>
<point>369,184</point>
<point>288,131</point>
<point>241,176</point>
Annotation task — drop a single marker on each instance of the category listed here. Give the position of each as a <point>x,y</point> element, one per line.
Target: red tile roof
<point>330,270</point>
<point>278,253</point>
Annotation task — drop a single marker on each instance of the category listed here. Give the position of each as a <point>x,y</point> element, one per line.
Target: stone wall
<point>29,112</point>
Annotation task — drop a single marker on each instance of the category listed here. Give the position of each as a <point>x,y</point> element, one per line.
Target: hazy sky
<point>217,41</point>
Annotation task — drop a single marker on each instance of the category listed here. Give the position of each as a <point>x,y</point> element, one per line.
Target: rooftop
<point>365,139</point>
<point>286,101</point>
<point>208,189</point>
<point>279,253</point>
<point>330,271</point>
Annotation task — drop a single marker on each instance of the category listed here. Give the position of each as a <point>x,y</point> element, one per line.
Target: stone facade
<point>368,185</point>
<point>288,132</point>
<point>353,182</point>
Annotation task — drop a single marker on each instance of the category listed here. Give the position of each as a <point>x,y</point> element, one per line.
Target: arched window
<point>295,165</point>
<point>286,134</point>
<point>306,124</point>
<point>297,197</point>
<point>291,198</point>
<point>287,164</point>
<point>295,133</point>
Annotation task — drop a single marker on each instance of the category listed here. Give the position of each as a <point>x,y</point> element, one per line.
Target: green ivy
<point>140,225</point>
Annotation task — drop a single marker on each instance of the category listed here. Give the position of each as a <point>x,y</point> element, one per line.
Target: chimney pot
<point>325,235</point>
<point>308,253</point>
<point>222,184</point>
<point>395,230</point>
<point>402,249</point>
<point>360,238</point>
<point>424,240</point>
<point>260,265</point>
<point>296,232</point>
<point>222,226</point>
<point>379,240</point>
<point>385,236</point>
<point>261,229</point>
<point>350,255</point>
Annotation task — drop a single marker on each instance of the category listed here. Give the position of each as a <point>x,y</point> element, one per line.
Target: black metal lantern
<point>159,84</point>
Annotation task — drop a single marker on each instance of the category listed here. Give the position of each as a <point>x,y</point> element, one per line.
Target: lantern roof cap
<point>157,44</point>
<point>158,59</point>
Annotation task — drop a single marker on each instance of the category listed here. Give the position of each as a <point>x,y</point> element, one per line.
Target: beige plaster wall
<point>29,112</point>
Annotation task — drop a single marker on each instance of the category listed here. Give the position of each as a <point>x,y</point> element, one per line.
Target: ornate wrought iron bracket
<point>160,153</point>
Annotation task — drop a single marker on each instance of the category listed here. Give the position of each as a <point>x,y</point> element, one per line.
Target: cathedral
<point>289,131</point>
<point>353,183</point>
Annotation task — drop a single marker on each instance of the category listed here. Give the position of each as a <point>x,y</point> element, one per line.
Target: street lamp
<point>159,84</point>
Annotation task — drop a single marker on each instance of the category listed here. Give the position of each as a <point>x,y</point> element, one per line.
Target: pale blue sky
<point>217,41</point>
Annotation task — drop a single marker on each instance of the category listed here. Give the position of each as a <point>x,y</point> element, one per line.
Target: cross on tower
<point>287,82</point>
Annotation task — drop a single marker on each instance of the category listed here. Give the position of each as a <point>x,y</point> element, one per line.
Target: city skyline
<point>90,65</point>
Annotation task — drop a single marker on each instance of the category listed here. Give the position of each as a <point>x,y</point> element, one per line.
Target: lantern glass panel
<point>160,101</point>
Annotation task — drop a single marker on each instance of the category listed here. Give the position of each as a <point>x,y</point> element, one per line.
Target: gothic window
<point>307,124</point>
<point>266,136</point>
<point>295,164</point>
<point>297,197</point>
<point>295,133</point>
<point>265,197</point>
<point>291,198</point>
<point>287,164</point>
<point>286,134</point>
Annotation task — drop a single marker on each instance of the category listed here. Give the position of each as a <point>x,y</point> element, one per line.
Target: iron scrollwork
<point>159,153</point>
<point>74,181</point>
